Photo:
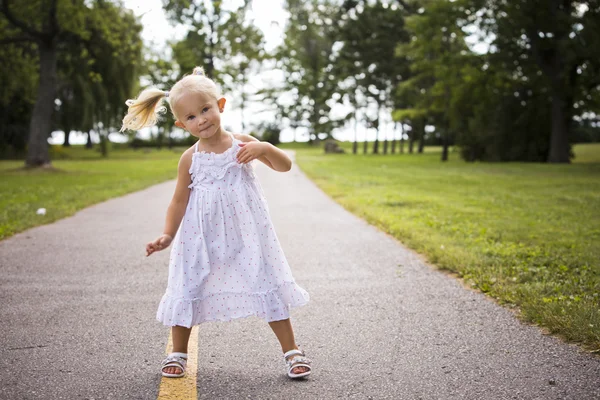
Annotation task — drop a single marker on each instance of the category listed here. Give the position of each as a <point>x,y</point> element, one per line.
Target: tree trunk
<point>355,144</point>
<point>411,140</point>
<point>394,138</point>
<point>421,136</point>
<point>103,143</point>
<point>243,103</point>
<point>66,142</point>
<point>88,143</point>
<point>559,138</point>
<point>446,144</point>
<point>365,145</point>
<point>41,117</point>
<point>401,137</point>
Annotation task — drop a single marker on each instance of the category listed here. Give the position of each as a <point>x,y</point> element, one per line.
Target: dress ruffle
<point>208,165</point>
<point>271,305</point>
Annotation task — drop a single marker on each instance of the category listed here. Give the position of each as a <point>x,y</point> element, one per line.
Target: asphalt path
<point>79,301</point>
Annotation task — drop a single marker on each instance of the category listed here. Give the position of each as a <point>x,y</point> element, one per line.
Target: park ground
<point>526,234</point>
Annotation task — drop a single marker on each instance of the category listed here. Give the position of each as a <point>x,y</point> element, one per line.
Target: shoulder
<point>245,138</point>
<point>185,161</point>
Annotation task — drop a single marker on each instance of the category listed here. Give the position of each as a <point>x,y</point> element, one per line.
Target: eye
<point>205,109</point>
<point>191,117</point>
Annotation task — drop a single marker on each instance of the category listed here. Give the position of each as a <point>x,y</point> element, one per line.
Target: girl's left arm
<point>270,155</point>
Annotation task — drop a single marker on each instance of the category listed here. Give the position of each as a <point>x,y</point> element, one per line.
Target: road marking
<point>182,388</point>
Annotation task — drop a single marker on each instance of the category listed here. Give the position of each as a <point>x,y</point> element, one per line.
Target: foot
<point>297,357</point>
<point>174,365</point>
<point>173,370</point>
<point>297,370</point>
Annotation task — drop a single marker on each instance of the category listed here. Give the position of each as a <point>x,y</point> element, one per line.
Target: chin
<point>207,133</point>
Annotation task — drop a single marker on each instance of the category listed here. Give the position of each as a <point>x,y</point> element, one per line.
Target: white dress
<point>226,261</point>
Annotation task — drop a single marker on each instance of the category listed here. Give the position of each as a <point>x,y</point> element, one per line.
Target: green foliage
<point>97,48</point>
<point>516,102</point>
<point>547,48</point>
<point>306,58</point>
<point>367,64</point>
<point>270,132</point>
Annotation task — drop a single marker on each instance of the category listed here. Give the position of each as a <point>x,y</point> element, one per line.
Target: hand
<point>251,151</point>
<point>159,244</point>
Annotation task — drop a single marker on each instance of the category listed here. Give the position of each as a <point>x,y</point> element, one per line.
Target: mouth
<point>205,128</point>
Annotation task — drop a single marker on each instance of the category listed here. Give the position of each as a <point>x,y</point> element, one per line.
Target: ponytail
<point>144,110</point>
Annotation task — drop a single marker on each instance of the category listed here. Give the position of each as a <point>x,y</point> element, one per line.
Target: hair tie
<point>199,71</point>
<point>166,94</point>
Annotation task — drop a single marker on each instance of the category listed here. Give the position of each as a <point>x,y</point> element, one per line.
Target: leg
<point>180,336</point>
<point>285,334</point>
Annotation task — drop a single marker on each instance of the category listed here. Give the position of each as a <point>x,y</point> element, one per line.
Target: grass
<point>526,234</point>
<point>82,178</point>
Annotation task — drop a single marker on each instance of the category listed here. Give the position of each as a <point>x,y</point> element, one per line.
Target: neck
<point>215,140</point>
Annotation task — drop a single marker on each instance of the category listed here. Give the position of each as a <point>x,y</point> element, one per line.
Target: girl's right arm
<point>176,209</point>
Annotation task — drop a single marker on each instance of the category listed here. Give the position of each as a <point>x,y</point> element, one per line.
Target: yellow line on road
<point>182,388</point>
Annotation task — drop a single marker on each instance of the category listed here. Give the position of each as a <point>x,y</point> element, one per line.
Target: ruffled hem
<point>272,305</point>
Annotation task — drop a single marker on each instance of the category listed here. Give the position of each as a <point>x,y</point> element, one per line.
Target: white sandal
<point>296,358</point>
<point>178,360</point>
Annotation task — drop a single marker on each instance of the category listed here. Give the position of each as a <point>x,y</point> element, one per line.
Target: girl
<point>226,261</point>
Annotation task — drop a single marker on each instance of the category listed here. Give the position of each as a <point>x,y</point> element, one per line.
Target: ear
<point>179,124</point>
<point>221,103</point>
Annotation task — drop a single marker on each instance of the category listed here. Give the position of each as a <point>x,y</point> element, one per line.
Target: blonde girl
<point>226,261</point>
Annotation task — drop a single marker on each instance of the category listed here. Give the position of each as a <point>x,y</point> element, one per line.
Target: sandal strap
<point>293,353</point>
<point>174,361</point>
<point>299,361</point>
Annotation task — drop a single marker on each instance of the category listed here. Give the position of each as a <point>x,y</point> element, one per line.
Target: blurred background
<point>494,80</point>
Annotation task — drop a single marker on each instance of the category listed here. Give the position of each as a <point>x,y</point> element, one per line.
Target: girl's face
<point>199,114</point>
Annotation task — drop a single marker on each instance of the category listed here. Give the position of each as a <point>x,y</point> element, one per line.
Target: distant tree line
<point>528,97</point>
<point>405,66</point>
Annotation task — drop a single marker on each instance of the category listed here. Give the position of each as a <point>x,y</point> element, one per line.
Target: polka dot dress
<point>226,261</point>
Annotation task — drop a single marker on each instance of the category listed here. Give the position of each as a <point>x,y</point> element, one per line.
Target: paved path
<point>79,300</point>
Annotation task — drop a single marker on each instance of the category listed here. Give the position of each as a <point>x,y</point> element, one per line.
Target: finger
<point>241,144</point>
<point>245,159</point>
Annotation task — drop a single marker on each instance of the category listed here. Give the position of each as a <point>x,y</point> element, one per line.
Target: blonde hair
<point>146,109</point>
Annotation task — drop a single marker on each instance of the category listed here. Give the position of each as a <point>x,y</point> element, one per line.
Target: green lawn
<point>526,234</point>
<point>83,178</point>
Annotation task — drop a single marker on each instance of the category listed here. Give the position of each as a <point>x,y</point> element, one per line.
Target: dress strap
<point>196,146</point>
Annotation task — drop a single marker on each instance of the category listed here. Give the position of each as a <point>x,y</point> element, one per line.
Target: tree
<point>56,28</point>
<point>437,52</point>
<point>370,33</point>
<point>18,79</point>
<point>100,72</point>
<point>246,48</point>
<point>307,62</point>
<point>559,39</point>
